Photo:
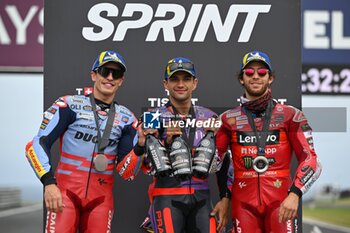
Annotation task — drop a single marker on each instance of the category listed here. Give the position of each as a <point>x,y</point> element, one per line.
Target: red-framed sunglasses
<point>261,71</point>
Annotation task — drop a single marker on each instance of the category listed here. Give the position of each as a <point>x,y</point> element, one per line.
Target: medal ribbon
<point>261,141</point>
<point>102,141</point>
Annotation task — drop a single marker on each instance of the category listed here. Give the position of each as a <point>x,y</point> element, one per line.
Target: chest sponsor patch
<point>299,116</point>
<point>249,138</point>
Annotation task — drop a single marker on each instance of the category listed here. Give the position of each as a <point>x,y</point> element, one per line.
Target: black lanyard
<point>102,141</point>
<point>261,141</point>
<point>190,138</point>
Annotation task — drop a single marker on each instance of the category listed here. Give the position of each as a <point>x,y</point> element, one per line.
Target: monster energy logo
<point>247,161</point>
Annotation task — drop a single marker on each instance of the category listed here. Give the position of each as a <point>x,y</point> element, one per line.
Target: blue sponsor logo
<point>151,120</point>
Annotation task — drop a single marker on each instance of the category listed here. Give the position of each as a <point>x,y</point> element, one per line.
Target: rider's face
<point>180,86</point>
<point>256,83</point>
<point>106,86</point>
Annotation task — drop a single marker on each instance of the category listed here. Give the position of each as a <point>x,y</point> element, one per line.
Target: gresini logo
<point>103,17</point>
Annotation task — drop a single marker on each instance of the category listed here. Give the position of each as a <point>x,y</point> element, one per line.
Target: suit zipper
<point>259,191</point>
<point>88,181</point>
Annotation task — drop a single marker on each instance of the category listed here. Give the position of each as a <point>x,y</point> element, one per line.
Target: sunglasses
<point>181,65</point>
<point>261,71</point>
<point>105,71</point>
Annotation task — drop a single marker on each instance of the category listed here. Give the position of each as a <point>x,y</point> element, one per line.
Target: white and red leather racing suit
<point>87,193</point>
<point>256,197</point>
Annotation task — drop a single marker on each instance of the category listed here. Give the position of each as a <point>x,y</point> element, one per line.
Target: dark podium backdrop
<point>213,34</point>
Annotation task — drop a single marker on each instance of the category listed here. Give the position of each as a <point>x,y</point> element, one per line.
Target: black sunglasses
<point>105,71</point>
<point>180,65</point>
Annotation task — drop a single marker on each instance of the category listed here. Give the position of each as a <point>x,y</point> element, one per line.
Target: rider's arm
<point>309,167</point>
<point>130,154</point>
<point>55,121</point>
<point>223,178</point>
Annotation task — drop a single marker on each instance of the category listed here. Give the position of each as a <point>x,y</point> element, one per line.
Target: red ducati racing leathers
<point>256,197</point>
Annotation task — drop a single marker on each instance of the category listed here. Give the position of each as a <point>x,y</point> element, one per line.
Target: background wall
<point>325,46</point>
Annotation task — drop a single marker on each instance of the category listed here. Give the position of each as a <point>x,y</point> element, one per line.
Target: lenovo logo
<point>249,139</point>
<point>107,23</point>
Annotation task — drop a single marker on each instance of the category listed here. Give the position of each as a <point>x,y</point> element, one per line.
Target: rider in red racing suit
<point>257,198</point>
<point>84,192</point>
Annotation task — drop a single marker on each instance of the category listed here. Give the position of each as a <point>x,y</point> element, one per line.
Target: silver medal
<point>100,162</point>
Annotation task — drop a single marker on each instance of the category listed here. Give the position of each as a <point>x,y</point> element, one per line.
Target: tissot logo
<point>108,24</point>
<point>249,139</point>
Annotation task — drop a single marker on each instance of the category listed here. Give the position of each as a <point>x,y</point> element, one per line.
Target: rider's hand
<point>172,131</point>
<point>53,198</point>
<point>289,207</point>
<point>222,209</point>
<point>141,132</point>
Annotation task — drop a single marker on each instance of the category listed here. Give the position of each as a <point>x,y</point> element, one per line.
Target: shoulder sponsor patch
<point>279,118</point>
<point>279,109</point>
<point>49,113</point>
<point>243,117</point>
<point>87,108</point>
<point>233,114</point>
<point>125,119</point>
<point>86,116</point>
<point>298,116</point>
<point>74,99</point>
<point>125,112</point>
<point>46,121</point>
<point>244,122</point>
<point>308,134</point>
<point>305,127</point>
<point>305,168</point>
<point>231,121</point>
<point>310,141</point>
<point>52,110</point>
<point>308,174</point>
<point>61,102</point>
<point>200,114</point>
<point>33,158</point>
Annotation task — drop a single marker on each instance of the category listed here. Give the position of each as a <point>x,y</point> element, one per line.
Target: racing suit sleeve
<point>223,179</point>
<point>309,167</point>
<point>223,137</point>
<point>130,157</point>
<point>55,122</point>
